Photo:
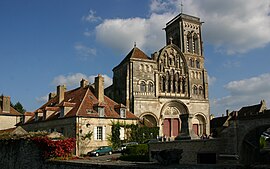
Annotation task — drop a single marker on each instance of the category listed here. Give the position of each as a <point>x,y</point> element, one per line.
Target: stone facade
<point>170,88</point>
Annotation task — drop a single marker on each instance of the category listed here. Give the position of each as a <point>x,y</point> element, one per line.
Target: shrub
<point>135,153</point>
<point>55,148</point>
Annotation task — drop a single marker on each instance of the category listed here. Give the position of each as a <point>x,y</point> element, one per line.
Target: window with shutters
<point>99,132</point>
<point>122,133</point>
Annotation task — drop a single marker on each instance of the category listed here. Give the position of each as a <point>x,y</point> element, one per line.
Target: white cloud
<point>244,92</point>
<point>72,80</point>
<point>91,17</point>
<point>232,26</point>
<point>85,52</point>
<point>120,34</point>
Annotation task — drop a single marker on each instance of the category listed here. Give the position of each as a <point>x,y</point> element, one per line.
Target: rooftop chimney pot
<point>61,92</point>
<point>5,104</point>
<point>99,88</point>
<point>83,83</point>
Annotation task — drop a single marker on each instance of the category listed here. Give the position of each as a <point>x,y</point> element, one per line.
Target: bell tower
<point>185,32</point>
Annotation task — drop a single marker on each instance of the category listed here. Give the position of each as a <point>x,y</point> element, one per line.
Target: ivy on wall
<point>134,133</point>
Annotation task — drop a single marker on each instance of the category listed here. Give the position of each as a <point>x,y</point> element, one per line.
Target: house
<point>9,117</point>
<point>218,124</point>
<point>84,113</point>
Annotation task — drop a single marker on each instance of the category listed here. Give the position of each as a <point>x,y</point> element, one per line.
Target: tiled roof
<point>82,102</point>
<point>12,112</point>
<point>134,53</point>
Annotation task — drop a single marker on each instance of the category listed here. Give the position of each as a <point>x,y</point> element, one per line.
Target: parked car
<point>124,146</point>
<point>151,141</point>
<point>101,151</point>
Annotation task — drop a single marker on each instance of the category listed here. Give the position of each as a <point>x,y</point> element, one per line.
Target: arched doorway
<point>199,124</point>
<point>170,118</point>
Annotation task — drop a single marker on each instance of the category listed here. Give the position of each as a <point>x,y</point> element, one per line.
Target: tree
<point>18,106</point>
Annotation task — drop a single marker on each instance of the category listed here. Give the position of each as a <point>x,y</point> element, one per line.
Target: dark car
<point>124,146</point>
<point>151,141</point>
<point>101,151</point>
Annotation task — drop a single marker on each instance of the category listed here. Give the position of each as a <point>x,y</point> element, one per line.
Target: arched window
<point>150,87</point>
<point>195,44</point>
<point>146,68</point>
<point>191,62</point>
<point>141,67</point>
<point>201,90</point>
<point>198,64</point>
<point>164,84</point>
<point>195,90</point>
<point>189,42</point>
<point>142,87</point>
<point>200,75</point>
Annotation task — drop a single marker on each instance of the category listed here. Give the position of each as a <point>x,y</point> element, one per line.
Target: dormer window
<point>122,113</point>
<point>101,111</point>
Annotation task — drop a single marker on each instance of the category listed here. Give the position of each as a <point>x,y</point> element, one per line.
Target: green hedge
<point>135,153</point>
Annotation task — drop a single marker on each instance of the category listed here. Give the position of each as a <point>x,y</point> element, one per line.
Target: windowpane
<point>99,133</point>
<point>142,87</point>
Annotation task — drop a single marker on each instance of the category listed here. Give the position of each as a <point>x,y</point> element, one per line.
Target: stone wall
<point>23,154</point>
<point>19,154</point>
<point>191,149</point>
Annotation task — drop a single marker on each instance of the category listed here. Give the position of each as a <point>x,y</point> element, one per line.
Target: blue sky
<point>46,43</point>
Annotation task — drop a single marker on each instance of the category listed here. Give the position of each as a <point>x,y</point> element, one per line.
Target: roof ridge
<point>78,110</point>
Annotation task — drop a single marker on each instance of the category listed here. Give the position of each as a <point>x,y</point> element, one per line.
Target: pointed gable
<point>134,53</point>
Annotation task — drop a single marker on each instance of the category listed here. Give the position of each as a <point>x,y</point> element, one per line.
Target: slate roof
<point>134,53</point>
<point>244,111</point>
<point>218,122</point>
<point>82,101</point>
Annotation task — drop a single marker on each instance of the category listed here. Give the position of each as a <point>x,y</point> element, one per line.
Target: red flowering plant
<point>55,148</point>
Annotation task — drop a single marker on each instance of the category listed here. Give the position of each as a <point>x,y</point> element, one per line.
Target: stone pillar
<point>187,127</point>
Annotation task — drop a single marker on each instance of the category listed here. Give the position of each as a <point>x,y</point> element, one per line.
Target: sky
<point>47,43</point>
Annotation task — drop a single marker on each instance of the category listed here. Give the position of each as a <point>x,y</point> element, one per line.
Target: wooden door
<point>167,127</point>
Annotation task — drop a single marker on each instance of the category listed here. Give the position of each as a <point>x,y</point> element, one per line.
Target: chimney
<point>99,88</point>
<point>5,105</point>
<point>227,112</point>
<point>61,92</point>
<point>83,83</point>
<point>51,95</point>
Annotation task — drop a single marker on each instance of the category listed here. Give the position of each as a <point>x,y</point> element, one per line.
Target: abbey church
<point>170,88</point>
